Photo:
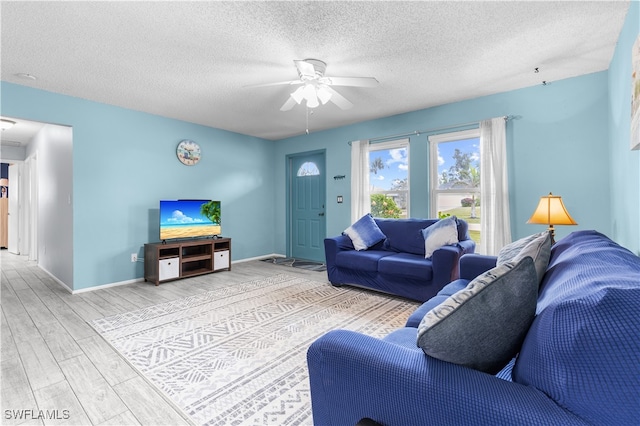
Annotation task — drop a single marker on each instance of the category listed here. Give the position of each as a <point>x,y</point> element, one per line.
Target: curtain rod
<point>437,129</point>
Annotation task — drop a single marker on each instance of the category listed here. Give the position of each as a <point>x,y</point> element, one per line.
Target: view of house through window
<point>389,179</point>
<point>455,178</point>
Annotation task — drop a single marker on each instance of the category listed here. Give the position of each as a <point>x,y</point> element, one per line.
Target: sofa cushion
<point>406,265</point>
<point>443,294</point>
<point>405,337</point>
<point>364,233</point>
<point>537,246</point>
<point>361,260</point>
<point>403,235</point>
<point>483,325</point>
<point>443,232</point>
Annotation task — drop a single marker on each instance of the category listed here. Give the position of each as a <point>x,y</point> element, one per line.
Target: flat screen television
<point>189,219</point>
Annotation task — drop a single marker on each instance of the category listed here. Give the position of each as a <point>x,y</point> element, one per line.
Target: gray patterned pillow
<point>483,325</point>
<point>537,246</point>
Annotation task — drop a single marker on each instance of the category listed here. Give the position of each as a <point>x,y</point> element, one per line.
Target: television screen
<point>189,218</point>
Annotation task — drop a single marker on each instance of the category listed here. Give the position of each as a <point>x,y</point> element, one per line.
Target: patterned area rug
<point>297,263</point>
<point>237,355</point>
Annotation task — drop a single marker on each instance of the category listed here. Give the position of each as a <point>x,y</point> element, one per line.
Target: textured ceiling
<point>191,60</point>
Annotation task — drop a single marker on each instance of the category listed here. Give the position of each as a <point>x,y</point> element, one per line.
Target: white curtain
<point>496,226</point>
<point>360,201</point>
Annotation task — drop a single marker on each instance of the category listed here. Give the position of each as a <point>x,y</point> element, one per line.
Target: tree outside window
<point>389,179</point>
<point>455,182</point>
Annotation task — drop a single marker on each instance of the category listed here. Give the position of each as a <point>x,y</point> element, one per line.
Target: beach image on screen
<point>182,219</point>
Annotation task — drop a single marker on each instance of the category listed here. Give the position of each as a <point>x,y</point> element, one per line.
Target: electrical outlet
<point>134,257</point>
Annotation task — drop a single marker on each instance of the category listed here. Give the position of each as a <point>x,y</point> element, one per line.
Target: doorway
<point>306,205</point>
<point>21,188</point>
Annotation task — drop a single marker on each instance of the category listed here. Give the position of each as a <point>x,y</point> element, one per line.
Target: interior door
<point>13,232</point>
<point>307,206</point>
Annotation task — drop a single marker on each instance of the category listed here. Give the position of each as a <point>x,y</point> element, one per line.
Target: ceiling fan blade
<point>290,103</point>
<point>305,68</point>
<point>279,83</point>
<point>352,81</point>
<point>338,99</point>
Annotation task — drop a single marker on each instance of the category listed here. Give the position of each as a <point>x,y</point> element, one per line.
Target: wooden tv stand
<point>183,259</point>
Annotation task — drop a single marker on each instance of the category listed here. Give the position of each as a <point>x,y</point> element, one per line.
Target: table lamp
<point>551,211</point>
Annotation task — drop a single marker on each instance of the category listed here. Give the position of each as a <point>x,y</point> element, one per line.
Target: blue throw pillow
<point>441,233</point>
<point>364,233</point>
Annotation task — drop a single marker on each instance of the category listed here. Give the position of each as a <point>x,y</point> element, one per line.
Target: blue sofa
<point>579,363</point>
<point>397,264</point>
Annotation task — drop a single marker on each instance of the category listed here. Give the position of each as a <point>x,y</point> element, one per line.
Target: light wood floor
<point>56,366</point>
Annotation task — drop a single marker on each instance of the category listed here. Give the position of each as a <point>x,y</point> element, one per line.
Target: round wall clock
<point>188,152</point>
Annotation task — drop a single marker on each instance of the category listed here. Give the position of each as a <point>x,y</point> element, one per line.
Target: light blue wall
<point>625,164</point>
<point>570,137</point>
<point>125,162</point>
<point>557,143</point>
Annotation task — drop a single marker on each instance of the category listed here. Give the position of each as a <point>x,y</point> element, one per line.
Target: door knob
<point>321,214</point>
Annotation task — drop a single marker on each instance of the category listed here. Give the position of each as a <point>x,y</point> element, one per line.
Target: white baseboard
<point>136,280</point>
<point>101,287</point>
<point>266,256</point>
<point>60,283</point>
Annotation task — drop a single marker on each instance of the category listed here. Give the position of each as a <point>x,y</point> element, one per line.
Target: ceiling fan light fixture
<point>310,94</point>
<point>313,102</point>
<point>323,94</point>
<point>314,88</point>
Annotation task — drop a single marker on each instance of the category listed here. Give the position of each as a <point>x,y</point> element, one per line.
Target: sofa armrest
<point>353,376</point>
<point>472,265</point>
<point>468,246</point>
<point>332,246</point>
<point>344,242</point>
<point>445,265</point>
<point>340,242</point>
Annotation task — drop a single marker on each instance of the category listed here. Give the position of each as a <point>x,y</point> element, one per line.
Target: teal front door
<point>307,206</point>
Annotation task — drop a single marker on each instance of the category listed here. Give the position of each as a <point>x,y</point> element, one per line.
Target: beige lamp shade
<point>551,211</point>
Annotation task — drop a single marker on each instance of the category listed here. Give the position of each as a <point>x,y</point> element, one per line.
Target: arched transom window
<point>308,169</point>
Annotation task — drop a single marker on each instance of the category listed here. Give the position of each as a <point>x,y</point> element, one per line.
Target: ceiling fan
<point>315,88</point>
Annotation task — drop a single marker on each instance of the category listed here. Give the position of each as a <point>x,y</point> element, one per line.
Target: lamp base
<point>553,234</point>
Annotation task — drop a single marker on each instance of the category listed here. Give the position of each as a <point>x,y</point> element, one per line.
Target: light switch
<point>339,198</point>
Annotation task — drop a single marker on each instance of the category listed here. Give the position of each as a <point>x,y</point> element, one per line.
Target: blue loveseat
<point>579,363</point>
<point>397,265</point>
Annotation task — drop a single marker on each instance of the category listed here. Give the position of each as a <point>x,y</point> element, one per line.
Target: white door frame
<point>23,207</point>
<point>13,232</point>
<point>32,163</point>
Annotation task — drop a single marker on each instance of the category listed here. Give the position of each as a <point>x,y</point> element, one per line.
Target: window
<point>308,169</point>
<point>455,177</point>
<point>389,179</point>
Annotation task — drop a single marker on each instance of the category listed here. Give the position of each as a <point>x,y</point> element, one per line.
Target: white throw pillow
<point>443,232</point>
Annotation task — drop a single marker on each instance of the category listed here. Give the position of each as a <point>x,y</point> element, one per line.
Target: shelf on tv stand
<point>195,258</point>
<point>167,261</point>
